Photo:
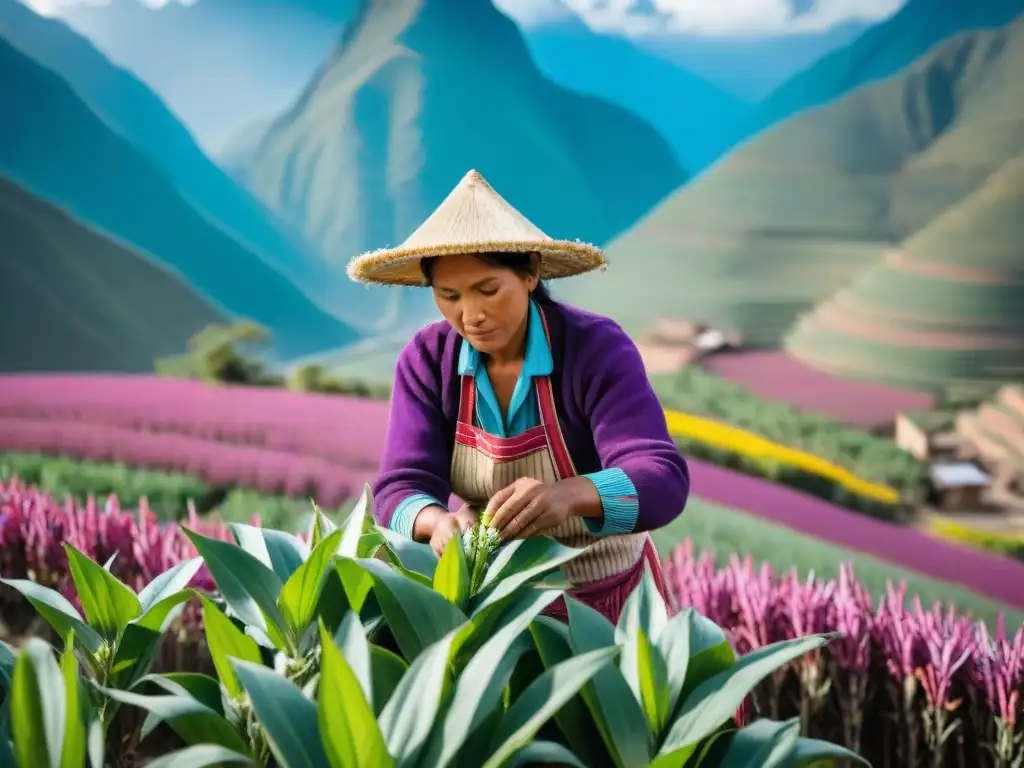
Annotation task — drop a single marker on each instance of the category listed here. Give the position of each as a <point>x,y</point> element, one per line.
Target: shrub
<point>362,649</point>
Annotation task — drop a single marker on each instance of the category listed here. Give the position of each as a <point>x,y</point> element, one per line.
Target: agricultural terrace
<point>327,447</point>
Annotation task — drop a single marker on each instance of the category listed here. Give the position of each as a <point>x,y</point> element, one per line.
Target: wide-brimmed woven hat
<point>473,219</point>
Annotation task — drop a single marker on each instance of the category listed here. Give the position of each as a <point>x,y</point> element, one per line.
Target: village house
<point>927,435</point>
<point>958,485</point>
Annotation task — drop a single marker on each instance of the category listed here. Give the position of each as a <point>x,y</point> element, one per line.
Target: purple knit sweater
<point>610,416</point>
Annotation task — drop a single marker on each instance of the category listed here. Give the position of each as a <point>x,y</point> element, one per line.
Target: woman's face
<point>486,304</point>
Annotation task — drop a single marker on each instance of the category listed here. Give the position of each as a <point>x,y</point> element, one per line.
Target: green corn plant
<point>361,717</point>
<point>117,640</point>
<point>670,701</point>
<point>50,722</point>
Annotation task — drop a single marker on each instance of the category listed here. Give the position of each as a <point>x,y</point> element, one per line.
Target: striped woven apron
<point>483,464</point>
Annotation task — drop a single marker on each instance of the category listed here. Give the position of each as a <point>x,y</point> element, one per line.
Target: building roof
<point>957,474</point>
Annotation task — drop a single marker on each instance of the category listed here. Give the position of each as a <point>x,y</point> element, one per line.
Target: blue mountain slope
<point>882,51</point>
<point>691,113</point>
<point>130,108</point>
<point>52,144</point>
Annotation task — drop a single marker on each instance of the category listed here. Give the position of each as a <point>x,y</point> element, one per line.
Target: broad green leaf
<point>351,639</point>
<point>417,615</point>
<point>202,688</point>
<point>515,566</point>
<point>58,612</point>
<point>195,722</point>
<point>716,699</point>
<point>647,675</point>
<point>73,750</point>
<point>762,744</point>
<point>96,743</point>
<point>617,714</point>
<point>416,557</point>
<point>248,586</point>
<point>37,706</point>
<point>644,609</point>
<point>694,648</point>
<point>544,753</point>
<point>301,593</point>
<point>370,544</point>
<point>388,669</point>
<point>7,658</point>
<point>407,728</point>
<point>810,752</point>
<point>200,756</point>
<point>451,578</point>
<point>551,639</point>
<point>226,641</point>
<point>355,580</point>
<point>136,651</point>
<point>322,526</point>
<point>348,726</point>
<point>288,718</point>
<point>354,526</point>
<point>479,688</point>
<point>162,613</point>
<point>108,604</point>
<point>169,583</point>
<point>279,551</point>
<point>541,700</point>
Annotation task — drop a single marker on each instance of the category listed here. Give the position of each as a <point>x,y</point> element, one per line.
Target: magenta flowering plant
<point>909,685</point>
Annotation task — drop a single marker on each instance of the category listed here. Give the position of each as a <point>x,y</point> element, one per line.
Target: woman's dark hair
<point>520,263</point>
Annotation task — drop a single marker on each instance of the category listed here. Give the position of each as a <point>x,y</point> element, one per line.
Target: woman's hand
<point>529,507</point>
<point>440,525</point>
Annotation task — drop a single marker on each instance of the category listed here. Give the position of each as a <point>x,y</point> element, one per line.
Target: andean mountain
<point>691,113</point>
<point>797,212</point>
<point>132,110</point>
<point>73,300</point>
<point>53,145</point>
<point>220,64</point>
<point>881,51</point>
<point>416,94</point>
<point>252,58</point>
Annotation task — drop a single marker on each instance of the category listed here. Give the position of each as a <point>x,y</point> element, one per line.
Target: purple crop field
<point>1000,578</point>
<point>777,376</point>
<point>219,464</point>
<point>277,441</point>
<point>344,430</point>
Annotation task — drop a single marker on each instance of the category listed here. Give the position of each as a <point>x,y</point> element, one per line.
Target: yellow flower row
<point>756,447</point>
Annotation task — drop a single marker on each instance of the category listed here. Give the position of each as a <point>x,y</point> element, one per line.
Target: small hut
<point>958,485</point>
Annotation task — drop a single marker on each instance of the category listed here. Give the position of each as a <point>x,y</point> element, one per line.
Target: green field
<point>727,530</point>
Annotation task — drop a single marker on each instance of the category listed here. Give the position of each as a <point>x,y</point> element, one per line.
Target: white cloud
<point>701,17</point>
<point>54,7</point>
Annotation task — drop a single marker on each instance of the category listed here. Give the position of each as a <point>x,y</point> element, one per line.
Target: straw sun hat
<point>473,219</point>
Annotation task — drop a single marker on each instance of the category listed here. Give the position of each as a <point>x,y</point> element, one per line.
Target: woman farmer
<point>536,411</point>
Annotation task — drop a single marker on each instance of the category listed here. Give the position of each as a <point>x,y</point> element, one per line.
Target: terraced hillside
<point>947,307</point>
<point>74,300</point>
<point>797,212</point>
<point>996,429</point>
<point>418,93</point>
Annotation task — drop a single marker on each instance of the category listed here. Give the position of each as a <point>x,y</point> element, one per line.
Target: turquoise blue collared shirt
<point>618,495</point>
